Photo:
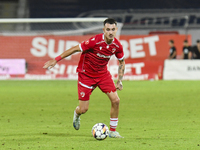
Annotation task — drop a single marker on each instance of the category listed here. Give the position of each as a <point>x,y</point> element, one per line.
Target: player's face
<point>185,44</point>
<point>170,44</point>
<point>109,32</point>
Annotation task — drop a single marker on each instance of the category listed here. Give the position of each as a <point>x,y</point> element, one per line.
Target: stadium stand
<point>54,9</point>
<point>8,9</point>
<point>138,17</point>
<point>134,16</point>
<point>131,13</point>
<point>12,9</point>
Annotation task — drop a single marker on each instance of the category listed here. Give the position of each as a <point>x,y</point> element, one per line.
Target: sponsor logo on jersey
<point>100,42</point>
<point>100,47</point>
<point>103,56</point>
<point>92,39</point>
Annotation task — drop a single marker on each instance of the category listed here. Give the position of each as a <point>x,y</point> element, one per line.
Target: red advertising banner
<point>145,55</point>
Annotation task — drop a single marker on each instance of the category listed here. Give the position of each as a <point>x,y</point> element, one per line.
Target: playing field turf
<point>154,115</point>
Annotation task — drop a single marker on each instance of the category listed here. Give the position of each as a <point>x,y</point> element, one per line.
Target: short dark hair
<point>185,41</point>
<point>171,41</point>
<point>198,41</point>
<point>110,21</point>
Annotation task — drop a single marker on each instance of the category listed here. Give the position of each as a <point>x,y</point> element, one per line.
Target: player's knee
<point>116,101</point>
<point>84,110</point>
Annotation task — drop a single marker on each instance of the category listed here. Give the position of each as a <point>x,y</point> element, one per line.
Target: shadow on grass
<point>47,134</point>
<point>64,135</point>
<point>36,136</point>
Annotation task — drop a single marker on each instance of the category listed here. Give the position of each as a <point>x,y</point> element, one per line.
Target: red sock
<point>113,124</point>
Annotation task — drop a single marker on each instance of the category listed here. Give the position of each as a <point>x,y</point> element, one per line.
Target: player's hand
<point>119,85</point>
<point>50,64</point>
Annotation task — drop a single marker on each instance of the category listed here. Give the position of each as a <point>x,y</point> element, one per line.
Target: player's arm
<point>173,55</point>
<point>51,63</point>
<point>190,55</point>
<point>182,56</point>
<point>121,70</point>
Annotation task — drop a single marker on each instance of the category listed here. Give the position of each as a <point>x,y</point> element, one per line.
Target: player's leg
<point>85,88</point>
<point>114,111</point>
<point>81,109</point>
<point>107,85</point>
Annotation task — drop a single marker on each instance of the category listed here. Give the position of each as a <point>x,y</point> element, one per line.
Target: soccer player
<point>196,50</point>
<point>187,54</point>
<point>92,72</point>
<point>172,50</point>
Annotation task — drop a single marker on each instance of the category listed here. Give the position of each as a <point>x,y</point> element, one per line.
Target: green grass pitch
<point>154,115</point>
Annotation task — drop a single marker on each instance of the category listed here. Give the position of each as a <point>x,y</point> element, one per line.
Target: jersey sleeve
<point>174,49</point>
<point>88,44</point>
<point>120,53</point>
<point>190,49</point>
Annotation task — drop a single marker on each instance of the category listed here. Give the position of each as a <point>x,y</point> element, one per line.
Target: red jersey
<point>96,53</point>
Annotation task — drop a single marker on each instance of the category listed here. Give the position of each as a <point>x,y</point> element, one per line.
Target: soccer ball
<point>100,131</point>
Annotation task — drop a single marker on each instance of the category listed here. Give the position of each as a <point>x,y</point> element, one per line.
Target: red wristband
<point>58,58</point>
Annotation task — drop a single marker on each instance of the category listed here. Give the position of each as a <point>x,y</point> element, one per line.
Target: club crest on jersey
<point>113,50</point>
<point>82,94</point>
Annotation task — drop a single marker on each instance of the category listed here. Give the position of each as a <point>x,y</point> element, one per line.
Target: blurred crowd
<point>188,51</point>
